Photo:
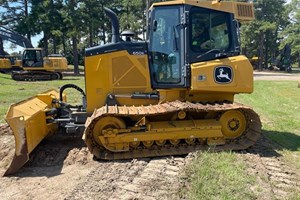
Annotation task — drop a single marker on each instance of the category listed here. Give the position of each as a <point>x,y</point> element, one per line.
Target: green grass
<point>14,91</point>
<point>278,104</point>
<point>218,176</point>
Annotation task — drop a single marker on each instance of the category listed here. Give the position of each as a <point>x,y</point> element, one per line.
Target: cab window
<point>209,31</point>
<point>165,45</point>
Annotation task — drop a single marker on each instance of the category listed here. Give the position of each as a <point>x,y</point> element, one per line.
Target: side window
<point>209,31</point>
<point>219,32</point>
<point>200,31</point>
<point>38,56</point>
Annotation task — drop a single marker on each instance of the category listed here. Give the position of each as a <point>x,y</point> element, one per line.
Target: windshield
<point>165,45</point>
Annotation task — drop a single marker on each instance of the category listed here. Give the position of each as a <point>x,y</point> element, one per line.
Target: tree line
<point>69,26</point>
<point>276,25</point>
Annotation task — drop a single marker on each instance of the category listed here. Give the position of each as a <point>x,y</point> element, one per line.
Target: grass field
<point>278,104</point>
<point>13,91</point>
<point>212,175</point>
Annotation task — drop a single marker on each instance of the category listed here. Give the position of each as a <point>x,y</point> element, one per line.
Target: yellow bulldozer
<point>151,98</point>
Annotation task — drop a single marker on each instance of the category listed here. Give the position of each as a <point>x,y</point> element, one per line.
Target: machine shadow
<point>272,142</point>
<point>284,140</point>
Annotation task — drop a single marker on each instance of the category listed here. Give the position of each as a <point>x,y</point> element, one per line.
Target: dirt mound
<point>5,129</point>
<point>7,146</point>
<point>78,156</point>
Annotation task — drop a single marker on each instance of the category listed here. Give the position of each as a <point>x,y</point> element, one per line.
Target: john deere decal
<point>223,74</point>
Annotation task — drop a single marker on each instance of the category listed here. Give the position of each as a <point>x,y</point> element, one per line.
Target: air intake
<point>244,11</point>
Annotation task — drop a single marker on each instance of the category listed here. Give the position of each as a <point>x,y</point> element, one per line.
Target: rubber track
<point>247,139</point>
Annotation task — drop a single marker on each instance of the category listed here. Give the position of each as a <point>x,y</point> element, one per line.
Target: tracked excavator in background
<point>158,97</point>
<point>34,65</point>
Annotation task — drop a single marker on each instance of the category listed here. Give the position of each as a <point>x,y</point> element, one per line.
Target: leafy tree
<point>260,37</point>
<point>73,18</point>
<point>131,15</point>
<point>290,35</point>
<point>14,15</point>
<point>45,17</point>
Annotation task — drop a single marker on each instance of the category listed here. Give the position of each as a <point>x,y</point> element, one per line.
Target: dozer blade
<point>28,122</point>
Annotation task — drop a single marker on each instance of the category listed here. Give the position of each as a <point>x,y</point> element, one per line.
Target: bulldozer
<point>34,66</point>
<point>159,97</point>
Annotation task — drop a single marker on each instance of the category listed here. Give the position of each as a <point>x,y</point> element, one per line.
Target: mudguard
<point>30,125</point>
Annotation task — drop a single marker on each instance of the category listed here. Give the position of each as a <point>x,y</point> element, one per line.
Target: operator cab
<point>32,58</point>
<point>173,46</point>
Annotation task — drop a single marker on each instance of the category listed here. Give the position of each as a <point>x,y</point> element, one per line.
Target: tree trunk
<point>64,44</point>
<point>91,35</point>
<point>45,39</point>
<point>75,55</point>
<point>260,50</point>
<point>2,53</point>
<point>54,46</point>
<point>266,42</point>
<point>26,16</point>
<point>299,60</point>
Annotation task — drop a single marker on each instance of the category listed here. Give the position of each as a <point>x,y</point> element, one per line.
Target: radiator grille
<point>244,11</point>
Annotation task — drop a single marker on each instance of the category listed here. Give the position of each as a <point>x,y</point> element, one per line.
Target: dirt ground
<point>62,168</point>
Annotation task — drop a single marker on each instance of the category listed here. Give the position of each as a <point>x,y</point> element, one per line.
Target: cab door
<point>167,48</point>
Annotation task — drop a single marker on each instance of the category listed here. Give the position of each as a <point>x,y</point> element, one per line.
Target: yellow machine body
<point>17,63</point>
<point>55,63</point>
<point>123,75</point>
<point>5,64</point>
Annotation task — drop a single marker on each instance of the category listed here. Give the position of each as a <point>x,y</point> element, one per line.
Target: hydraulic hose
<point>61,90</point>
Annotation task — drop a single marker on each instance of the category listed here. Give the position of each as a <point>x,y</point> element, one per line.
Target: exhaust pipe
<point>115,25</point>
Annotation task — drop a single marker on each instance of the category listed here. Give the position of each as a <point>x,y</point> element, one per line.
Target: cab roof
<point>242,11</point>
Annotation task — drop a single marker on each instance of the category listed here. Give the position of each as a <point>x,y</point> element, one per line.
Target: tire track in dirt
<point>267,163</point>
<point>136,179</point>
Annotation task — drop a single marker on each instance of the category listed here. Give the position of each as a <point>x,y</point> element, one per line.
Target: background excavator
<point>283,60</point>
<point>158,97</point>
<point>35,66</point>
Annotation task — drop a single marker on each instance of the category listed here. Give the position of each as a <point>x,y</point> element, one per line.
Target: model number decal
<point>138,53</point>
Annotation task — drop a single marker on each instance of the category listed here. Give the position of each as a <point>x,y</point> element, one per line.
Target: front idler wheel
<point>233,124</point>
